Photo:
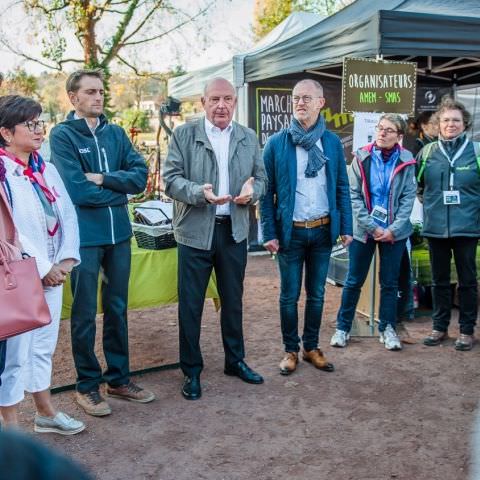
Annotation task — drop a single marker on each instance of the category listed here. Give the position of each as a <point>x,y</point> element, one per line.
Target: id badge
<point>451,197</point>
<point>379,213</point>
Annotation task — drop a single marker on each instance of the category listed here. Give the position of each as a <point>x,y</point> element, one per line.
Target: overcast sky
<point>228,30</point>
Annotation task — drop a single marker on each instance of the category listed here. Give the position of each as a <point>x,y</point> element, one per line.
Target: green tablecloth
<point>421,264</point>
<point>153,280</point>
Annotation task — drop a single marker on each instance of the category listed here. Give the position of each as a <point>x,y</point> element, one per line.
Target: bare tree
<point>106,30</point>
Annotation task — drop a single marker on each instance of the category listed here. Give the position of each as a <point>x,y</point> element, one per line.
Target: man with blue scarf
<point>306,208</point>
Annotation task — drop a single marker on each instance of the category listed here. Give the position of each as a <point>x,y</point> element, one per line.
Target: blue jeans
<point>360,258</point>
<point>312,247</point>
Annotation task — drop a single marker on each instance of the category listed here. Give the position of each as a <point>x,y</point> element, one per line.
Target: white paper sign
<point>364,128</point>
<point>156,211</point>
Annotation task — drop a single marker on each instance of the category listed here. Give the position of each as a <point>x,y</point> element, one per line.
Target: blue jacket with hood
<point>102,210</point>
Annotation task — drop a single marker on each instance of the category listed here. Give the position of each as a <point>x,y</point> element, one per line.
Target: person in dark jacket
<point>99,167</point>
<point>22,457</point>
<point>382,187</point>
<point>306,208</point>
<point>449,188</point>
<point>427,124</point>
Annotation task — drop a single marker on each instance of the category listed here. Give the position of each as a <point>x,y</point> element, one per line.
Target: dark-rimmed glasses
<point>304,98</point>
<point>388,131</point>
<point>35,125</point>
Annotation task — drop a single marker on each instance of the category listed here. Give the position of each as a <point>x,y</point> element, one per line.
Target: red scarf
<point>34,171</point>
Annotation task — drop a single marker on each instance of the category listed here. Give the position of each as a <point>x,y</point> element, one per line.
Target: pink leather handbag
<point>22,301</point>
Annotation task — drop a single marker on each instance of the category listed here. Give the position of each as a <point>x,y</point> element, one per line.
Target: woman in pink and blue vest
<point>382,189</point>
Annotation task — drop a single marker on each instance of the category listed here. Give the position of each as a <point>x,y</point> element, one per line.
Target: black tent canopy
<point>442,36</point>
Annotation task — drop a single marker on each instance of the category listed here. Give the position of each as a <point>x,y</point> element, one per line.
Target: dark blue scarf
<point>307,140</point>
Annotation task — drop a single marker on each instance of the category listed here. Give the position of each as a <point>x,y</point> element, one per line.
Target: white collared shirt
<point>311,200</point>
<point>220,141</point>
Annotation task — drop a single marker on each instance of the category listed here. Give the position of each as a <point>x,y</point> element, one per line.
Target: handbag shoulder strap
<point>4,252</point>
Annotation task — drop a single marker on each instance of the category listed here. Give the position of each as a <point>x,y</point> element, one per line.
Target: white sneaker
<point>340,339</point>
<point>390,338</point>
<point>60,423</point>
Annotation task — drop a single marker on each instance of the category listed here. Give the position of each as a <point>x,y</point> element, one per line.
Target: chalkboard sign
<point>274,111</point>
<point>378,86</point>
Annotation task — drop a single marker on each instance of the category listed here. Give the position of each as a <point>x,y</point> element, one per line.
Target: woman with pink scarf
<point>47,226</point>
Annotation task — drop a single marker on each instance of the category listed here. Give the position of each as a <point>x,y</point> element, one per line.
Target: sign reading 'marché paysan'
<point>378,86</point>
<point>274,111</point>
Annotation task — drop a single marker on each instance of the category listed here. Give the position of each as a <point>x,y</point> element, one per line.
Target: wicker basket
<point>157,237</point>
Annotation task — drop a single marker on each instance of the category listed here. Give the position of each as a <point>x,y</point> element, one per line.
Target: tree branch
<point>35,4</point>
<point>28,57</point>
<point>136,71</point>
<point>176,27</point>
<point>144,21</point>
<point>70,60</point>
<point>113,50</point>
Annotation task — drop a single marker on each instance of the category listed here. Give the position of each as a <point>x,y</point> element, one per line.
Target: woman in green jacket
<point>449,187</point>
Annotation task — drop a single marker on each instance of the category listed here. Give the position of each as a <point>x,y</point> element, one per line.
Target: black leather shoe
<point>191,389</point>
<point>244,372</point>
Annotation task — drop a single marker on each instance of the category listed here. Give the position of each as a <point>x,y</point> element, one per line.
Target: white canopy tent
<point>189,87</point>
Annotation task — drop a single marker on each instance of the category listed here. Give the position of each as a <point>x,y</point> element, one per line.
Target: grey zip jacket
<point>191,163</point>
<point>401,197</point>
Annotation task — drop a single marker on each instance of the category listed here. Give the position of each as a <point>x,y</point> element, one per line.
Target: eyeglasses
<point>388,131</point>
<point>35,125</point>
<point>304,98</point>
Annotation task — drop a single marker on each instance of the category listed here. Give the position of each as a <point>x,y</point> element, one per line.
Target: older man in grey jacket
<point>213,171</point>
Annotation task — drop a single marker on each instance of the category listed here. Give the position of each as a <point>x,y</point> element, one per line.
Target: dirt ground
<point>381,415</point>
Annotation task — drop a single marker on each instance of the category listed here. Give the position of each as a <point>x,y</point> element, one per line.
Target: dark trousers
<point>229,260</point>
<point>464,253</point>
<point>114,263</point>
<point>360,258</point>
<point>310,247</point>
<point>405,307</point>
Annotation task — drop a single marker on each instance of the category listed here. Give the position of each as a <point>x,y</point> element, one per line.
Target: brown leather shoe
<point>132,392</point>
<point>435,338</point>
<point>318,360</point>
<point>289,363</point>
<point>464,342</point>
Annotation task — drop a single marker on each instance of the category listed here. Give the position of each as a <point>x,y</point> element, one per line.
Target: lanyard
<point>452,161</point>
<point>381,170</point>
